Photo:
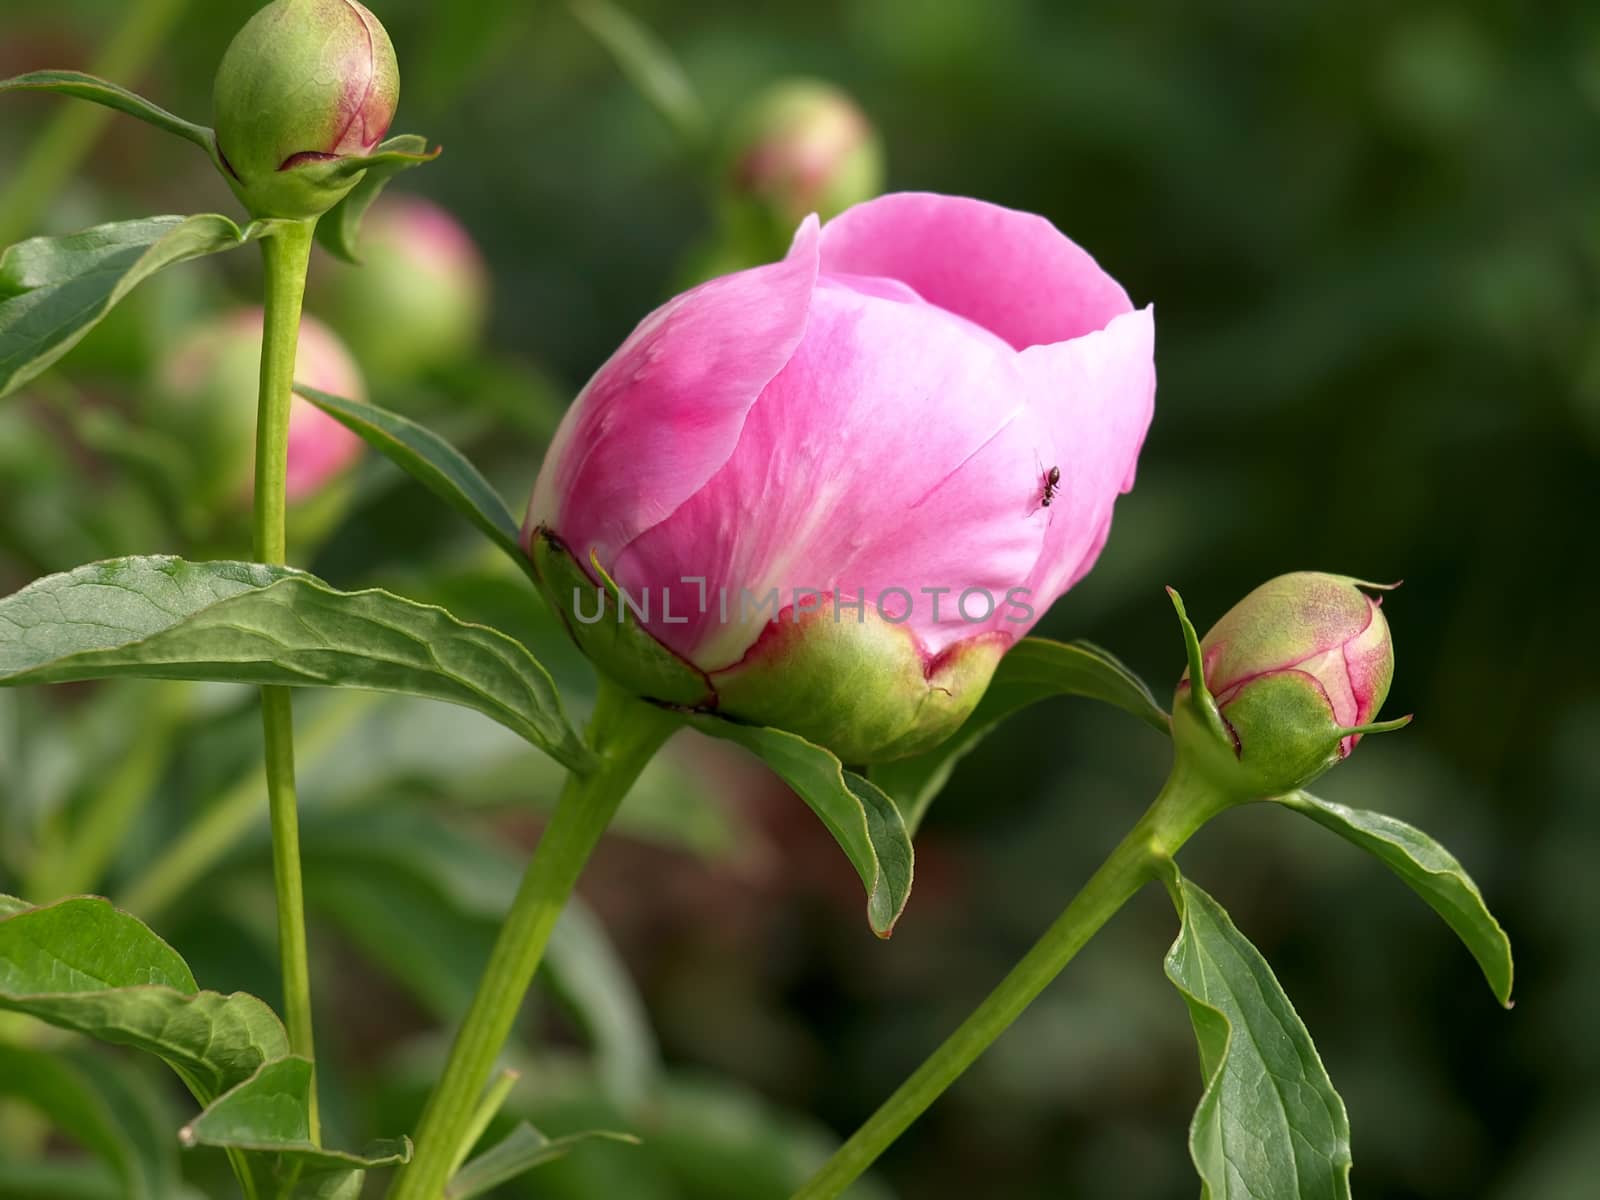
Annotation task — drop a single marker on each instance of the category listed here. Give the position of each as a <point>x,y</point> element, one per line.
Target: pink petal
<point>896,449</point>
<point>1096,395</point>
<point>665,411</point>
<point>1011,272</point>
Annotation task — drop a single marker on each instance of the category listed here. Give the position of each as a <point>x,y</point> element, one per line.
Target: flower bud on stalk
<point>826,494</point>
<point>1297,671</point>
<point>420,297</point>
<point>304,84</point>
<point>804,147</point>
<point>207,395</point>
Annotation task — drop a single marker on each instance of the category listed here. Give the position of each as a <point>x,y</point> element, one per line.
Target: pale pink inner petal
<point>896,449</point>
<point>1014,273</point>
<point>666,410</point>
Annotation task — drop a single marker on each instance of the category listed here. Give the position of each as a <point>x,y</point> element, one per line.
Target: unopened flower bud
<point>207,394</point>
<point>804,147</point>
<point>419,299</point>
<point>303,84</point>
<point>1297,670</point>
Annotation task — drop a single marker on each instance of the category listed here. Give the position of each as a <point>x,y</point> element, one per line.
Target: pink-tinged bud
<point>420,297</point>
<point>1296,670</point>
<point>832,490</point>
<point>304,83</point>
<point>804,147</point>
<point>207,395</point>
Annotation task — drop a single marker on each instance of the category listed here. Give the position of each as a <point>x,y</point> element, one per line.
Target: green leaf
<point>164,618</point>
<point>647,63</point>
<point>520,1151</point>
<point>432,462</point>
<point>1270,1125</point>
<point>94,1105</point>
<point>60,1180</point>
<point>269,1113</point>
<point>101,91</point>
<point>339,231</point>
<point>861,817</point>
<point>83,965</point>
<point>1034,669</point>
<point>10,905</point>
<point>1428,869</point>
<point>54,290</point>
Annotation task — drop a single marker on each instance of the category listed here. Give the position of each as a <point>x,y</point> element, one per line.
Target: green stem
<point>625,733</point>
<point>1184,804</point>
<point>72,131</point>
<point>286,256</point>
<point>493,1099</point>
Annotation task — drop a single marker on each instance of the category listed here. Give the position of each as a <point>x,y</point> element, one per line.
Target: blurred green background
<point>1372,236</point>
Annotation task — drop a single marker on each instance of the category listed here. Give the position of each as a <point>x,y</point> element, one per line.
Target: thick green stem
<point>286,256</point>
<point>1184,804</point>
<point>625,733</point>
<point>72,131</point>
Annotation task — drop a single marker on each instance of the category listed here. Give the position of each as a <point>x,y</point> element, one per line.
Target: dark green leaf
<point>164,618</point>
<point>339,231</point>
<point>83,965</point>
<point>101,91</point>
<point>520,1151</point>
<point>1270,1125</point>
<point>269,1113</point>
<point>96,1107</point>
<point>1034,669</point>
<point>54,290</point>
<point>59,1180</point>
<point>432,462</point>
<point>1429,870</point>
<point>861,817</point>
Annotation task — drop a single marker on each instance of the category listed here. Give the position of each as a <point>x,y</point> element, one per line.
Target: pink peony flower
<point>912,430</point>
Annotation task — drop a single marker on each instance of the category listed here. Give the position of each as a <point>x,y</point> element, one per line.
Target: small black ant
<point>1052,481</point>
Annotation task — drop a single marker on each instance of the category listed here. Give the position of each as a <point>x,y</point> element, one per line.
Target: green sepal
<point>339,231</point>
<point>615,642</point>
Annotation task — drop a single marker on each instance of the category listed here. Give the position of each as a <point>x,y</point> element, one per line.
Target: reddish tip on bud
<point>304,83</point>
<point>1297,670</point>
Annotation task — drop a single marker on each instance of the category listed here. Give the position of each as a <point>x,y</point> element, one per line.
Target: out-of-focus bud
<point>802,147</point>
<point>207,392</point>
<point>421,295</point>
<point>303,84</point>
<point>1297,671</point>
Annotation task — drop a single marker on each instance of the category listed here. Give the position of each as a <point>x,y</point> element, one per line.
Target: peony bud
<point>207,393</point>
<point>421,295</point>
<point>1296,670</point>
<point>828,493</point>
<point>302,85</point>
<point>804,147</point>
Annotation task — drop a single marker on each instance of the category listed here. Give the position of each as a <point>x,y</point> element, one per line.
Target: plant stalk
<point>1183,805</point>
<point>286,256</point>
<point>625,732</point>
